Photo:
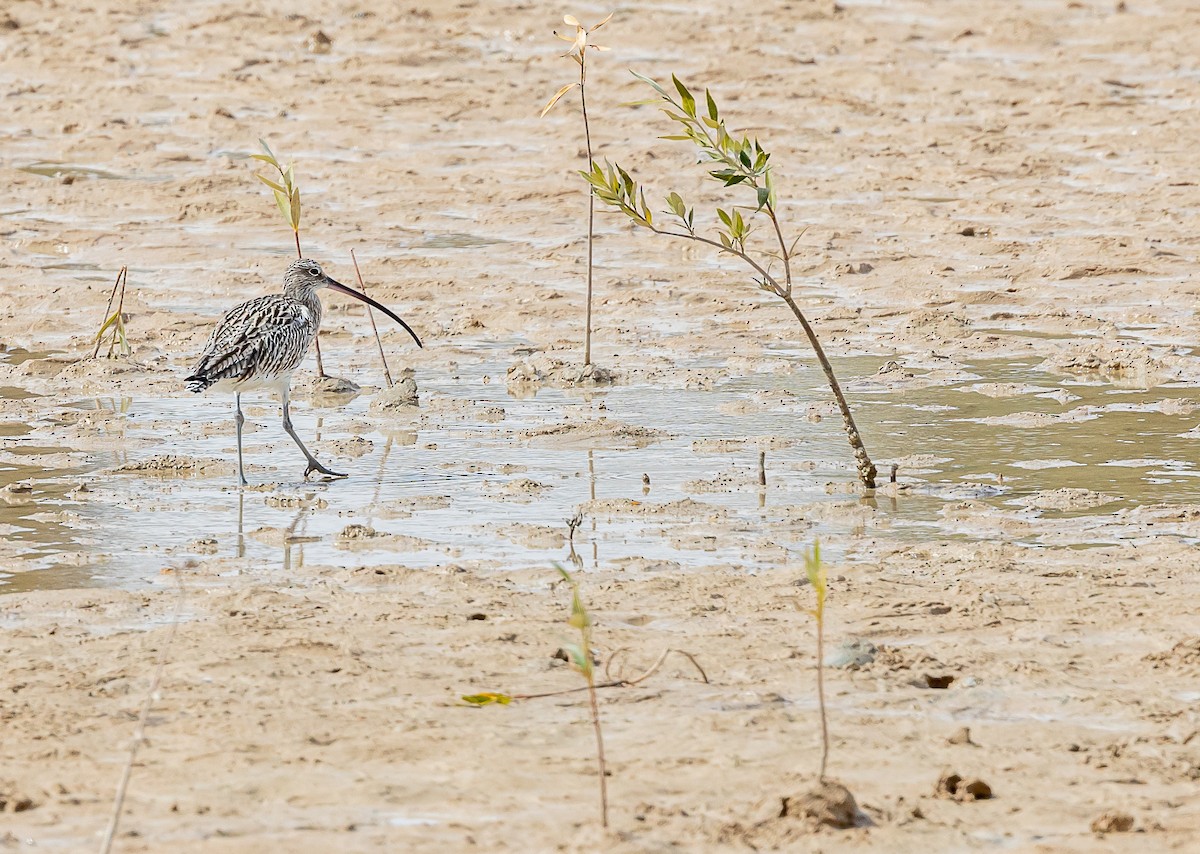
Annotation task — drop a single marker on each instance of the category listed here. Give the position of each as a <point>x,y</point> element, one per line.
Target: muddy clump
<point>955,787</point>
<point>541,369</point>
<point>400,398</point>
<point>602,433</point>
<point>173,464</point>
<point>1185,655</point>
<point>785,821</point>
<point>1112,822</point>
<point>13,800</point>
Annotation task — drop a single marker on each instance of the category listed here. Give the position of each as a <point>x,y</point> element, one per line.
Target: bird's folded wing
<point>264,337</point>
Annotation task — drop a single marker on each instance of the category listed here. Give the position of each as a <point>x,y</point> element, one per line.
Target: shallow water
<point>457,482</point>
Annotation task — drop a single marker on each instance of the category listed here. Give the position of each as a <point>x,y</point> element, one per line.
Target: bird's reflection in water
<point>293,535</point>
<point>241,536</point>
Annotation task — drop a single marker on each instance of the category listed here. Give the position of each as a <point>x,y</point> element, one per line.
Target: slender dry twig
<point>653,667</point>
<point>140,730</point>
<point>617,683</point>
<point>108,311</point>
<point>119,329</point>
<point>387,374</point>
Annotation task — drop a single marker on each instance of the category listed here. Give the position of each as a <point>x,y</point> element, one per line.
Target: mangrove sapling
<point>578,52</point>
<point>580,658</point>
<point>731,161</point>
<point>287,197</point>
<point>115,320</point>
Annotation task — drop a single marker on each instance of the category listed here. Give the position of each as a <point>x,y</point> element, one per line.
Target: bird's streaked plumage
<point>260,344</point>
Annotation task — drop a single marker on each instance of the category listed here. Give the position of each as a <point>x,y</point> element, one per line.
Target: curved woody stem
<point>866,468</point>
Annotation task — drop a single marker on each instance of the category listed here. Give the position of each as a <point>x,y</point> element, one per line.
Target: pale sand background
<point>1021,180</point>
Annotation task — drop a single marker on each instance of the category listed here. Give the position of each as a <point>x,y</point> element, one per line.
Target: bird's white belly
<point>276,384</point>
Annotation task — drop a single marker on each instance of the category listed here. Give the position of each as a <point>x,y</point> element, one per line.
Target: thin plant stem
<point>866,468</point>
<point>821,694</point>
<point>387,374</point>
<point>317,338</point>
<point>108,309</point>
<point>140,731</point>
<point>783,249</point>
<point>599,749</point>
<point>119,326</point>
<point>587,135</point>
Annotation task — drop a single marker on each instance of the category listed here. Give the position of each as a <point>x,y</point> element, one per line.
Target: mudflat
<point>997,211</point>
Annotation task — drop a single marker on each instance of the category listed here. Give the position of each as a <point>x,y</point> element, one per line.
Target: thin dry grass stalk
<point>619,683</point>
<point>140,731</point>
<point>115,319</point>
<point>387,374</point>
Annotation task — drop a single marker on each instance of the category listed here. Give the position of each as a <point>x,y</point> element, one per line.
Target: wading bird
<point>260,344</point>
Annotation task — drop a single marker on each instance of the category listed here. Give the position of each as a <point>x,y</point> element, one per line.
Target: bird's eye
<point>314,271</point>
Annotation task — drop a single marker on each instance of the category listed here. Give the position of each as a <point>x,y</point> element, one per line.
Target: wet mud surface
<point>1000,257</point>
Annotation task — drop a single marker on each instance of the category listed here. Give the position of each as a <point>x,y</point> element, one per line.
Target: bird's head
<point>305,276</point>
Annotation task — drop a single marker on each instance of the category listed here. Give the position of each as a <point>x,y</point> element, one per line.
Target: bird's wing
<point>264,336</point>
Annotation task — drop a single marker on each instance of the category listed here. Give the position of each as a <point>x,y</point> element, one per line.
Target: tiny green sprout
<point>287,198</point>
<point>487,698</point>
<point>579,47</point>
<point>817,577</point>
<point>733,160</point>
<point>287,194</point>
<point>580,657</point>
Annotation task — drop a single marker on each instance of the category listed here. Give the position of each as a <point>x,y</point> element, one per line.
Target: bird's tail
<point>198,383</point>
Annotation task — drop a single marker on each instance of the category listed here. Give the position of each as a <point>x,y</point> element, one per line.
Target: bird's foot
<point>313,466</point>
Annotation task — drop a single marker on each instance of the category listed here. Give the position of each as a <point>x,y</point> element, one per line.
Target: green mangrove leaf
<point>269,182</point>
<point>659,89</point>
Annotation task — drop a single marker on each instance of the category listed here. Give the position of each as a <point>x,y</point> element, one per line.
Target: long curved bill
<point>338,286</point>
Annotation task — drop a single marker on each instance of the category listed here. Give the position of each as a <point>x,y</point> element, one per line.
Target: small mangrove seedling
<point>580,658</point>
<point>731,160</point>
<point>115,320</point>
<point>287,197</point>
<point>578,52</point>
<point>817,578</point>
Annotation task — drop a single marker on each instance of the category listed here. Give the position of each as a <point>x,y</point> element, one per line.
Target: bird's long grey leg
<point>239,419</point>
<point>313,465</point>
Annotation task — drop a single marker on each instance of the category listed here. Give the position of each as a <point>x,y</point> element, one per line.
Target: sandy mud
<point>999,204</point>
